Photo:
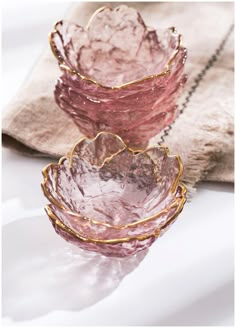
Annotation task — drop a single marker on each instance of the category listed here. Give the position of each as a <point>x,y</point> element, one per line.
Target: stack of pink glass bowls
<point>106,197</point>
<point>119,75</point>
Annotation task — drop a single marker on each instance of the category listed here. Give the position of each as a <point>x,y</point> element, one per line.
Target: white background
<point>185,279</point>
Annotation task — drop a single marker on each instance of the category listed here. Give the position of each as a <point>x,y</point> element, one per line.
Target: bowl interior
<point>116,47</point>
<point>118,188</point>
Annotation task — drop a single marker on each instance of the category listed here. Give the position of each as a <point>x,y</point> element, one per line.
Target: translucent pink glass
<point>118,74</point>
<point>107,198</point>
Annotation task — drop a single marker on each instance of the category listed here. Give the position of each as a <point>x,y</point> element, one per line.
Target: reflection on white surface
<point>42,273</point>
<point>185,279</point>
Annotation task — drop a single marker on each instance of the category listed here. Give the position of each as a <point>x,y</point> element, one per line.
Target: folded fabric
<point>202,134</point>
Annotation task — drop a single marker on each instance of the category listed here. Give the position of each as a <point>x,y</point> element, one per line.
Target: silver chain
<point>197,81</point>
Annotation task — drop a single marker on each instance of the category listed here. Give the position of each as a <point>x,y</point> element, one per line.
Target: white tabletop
<point>186,278</point>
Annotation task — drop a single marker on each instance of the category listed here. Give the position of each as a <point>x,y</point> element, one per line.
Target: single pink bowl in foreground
<point>108,198</point>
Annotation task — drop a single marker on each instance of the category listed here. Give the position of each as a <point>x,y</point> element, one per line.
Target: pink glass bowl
<point>108,198</point>
<point>118,74</point>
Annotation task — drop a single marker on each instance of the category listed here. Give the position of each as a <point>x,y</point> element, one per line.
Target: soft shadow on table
<point>43,273</point>
<point>217,186</point>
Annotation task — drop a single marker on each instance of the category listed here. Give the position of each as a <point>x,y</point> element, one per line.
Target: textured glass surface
<point>118,49</point>
<point>113,250</point>
<point>116,42</point>
<point>105,191</point>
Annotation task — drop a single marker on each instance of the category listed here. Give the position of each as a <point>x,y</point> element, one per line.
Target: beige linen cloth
<point>202,134</point>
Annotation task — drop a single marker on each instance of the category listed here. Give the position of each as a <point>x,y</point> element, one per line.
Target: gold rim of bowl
<point>69,157</point>
<point>55,220</point>
<point>65,67</point>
